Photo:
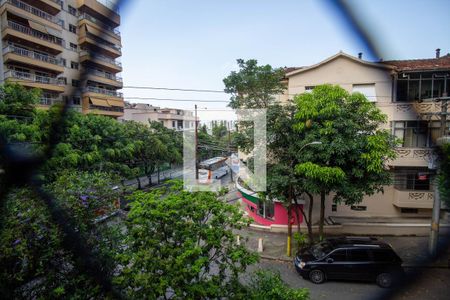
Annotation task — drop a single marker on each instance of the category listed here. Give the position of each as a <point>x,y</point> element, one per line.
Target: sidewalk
<point>412,249</point>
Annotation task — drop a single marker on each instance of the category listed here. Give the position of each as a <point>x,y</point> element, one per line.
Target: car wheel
<point>384,280</point>
<point>317,276</point>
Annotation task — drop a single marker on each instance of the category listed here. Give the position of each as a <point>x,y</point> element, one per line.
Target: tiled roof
<point>290,69</point>
<point>442,63</point>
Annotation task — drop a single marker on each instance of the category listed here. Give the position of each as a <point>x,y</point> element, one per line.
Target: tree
<point>16,100</point>
<point>269,285</point>
<point>444,174</point>
<point>181,245</point>
<point>351,159</point>
<point>33,261</point>
<point>254,86</point>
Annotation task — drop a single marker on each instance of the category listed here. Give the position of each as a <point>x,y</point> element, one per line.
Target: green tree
<point>17,100</point>
<point>254,86</point>
<point>181,245</point>
<point>444,174</point>
<point>269,285</point>
<point>351,161</point>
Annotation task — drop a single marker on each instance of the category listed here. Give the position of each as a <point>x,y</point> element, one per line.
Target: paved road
<point>433,284</point>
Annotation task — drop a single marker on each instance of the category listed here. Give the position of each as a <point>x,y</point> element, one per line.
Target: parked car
<point>350,258</point>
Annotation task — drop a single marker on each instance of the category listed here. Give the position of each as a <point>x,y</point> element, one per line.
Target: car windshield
<point>320,250</point>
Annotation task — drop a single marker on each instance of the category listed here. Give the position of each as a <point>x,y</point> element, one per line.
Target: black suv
<point>350,258</point>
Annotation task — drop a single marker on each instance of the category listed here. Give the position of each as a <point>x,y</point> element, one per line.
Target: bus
<point>213,168</point>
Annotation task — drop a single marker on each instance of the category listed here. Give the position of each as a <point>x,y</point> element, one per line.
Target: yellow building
<point>407,91</point>
<point>68,49</point>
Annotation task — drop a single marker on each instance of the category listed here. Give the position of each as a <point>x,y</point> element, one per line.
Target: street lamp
<point>288,250</point>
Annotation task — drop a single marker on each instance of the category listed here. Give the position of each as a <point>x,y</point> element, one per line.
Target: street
<point>432,284</point>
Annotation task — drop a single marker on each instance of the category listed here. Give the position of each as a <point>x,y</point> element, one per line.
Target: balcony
<point>14,54</point>
<point>412,157</point>
<point>97,25</point>
<point>105,62</point>
<point>104,10</point>
<point>93,91</point>
<point>27,11</point>
<point>46,102</point>
<point>35,81</point>
<point>102,77</point>
<point>113,111</point>
<point>27,35</point>
<point>98,45</point>
<point>52,7</point>
<point>413,199</point>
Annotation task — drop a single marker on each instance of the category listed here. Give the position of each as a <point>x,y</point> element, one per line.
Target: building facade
<point>409,92</point>
<point>171,118</point>
<point>66,48</point>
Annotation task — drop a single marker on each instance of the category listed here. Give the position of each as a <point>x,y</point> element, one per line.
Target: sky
<point>194,44</point>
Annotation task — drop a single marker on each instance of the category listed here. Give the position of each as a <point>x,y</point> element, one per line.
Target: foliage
<point>33,263</point>
<point>181,244</point>
<point>17,100</point>
<point>269,285</point>
<point>253,86</point>
<point>351,158</point>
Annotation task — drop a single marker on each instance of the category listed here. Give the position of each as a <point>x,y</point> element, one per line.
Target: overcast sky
<point>194,44</point>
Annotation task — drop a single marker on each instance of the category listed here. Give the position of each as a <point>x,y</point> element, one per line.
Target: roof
<point>432,64</point>
<point>358,242</point>
<point>331,58</point>
<point>212,161</point>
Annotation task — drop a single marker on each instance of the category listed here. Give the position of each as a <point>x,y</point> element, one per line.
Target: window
<point>266,209</point>
<point>367,90</point>
<point>358,207</point>
<point>339,255</point>
<point>76,100</point>
<point>308,89</point>
<point>383,255</point>
<point>174,124</point>
<point>73,65</point>
<point>75,83</point>
<point>63,62</point>
<point>72,28</point>
<point>420,86</point>
<point>73,47</point>
<point>359,255</point>
<point>412,133</point>
<point>72,10</point>
<point>409,210</point>
<point>334,207</point>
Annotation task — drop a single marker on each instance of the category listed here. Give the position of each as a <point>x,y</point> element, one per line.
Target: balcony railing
<point>102,42</point>
<point>94,89</point>
<point>33,77</point>
<point>49,101</point>
<point>32,10</point>
<point>31,54</point>
<point>34,33</point>
<point>100,23</point>
<point>102,74</point>
<point>101,57</point>
<point>112,108</point>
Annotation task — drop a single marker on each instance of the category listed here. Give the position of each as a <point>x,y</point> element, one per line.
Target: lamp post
<point>288,250</point>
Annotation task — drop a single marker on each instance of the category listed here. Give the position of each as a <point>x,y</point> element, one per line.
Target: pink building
<point>267,212</point>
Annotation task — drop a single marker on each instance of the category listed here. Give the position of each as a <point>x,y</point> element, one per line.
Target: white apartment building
<point>172,118</point>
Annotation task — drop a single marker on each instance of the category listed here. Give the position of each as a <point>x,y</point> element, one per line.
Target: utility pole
<point>229,154</point>
<point>196,144</point>
<point>434,233</point>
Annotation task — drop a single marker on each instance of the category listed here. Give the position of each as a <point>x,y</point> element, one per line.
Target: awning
<point>99,102</point>
<point>37,26</point>
<point>118,103</point>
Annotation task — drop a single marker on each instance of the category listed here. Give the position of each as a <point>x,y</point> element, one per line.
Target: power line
<point>173,89</point>
<point>177,100</point>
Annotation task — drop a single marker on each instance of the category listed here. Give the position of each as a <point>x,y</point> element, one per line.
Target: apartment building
<point>66,48</point>
<point>408,92</point>
<point>172,118</point>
